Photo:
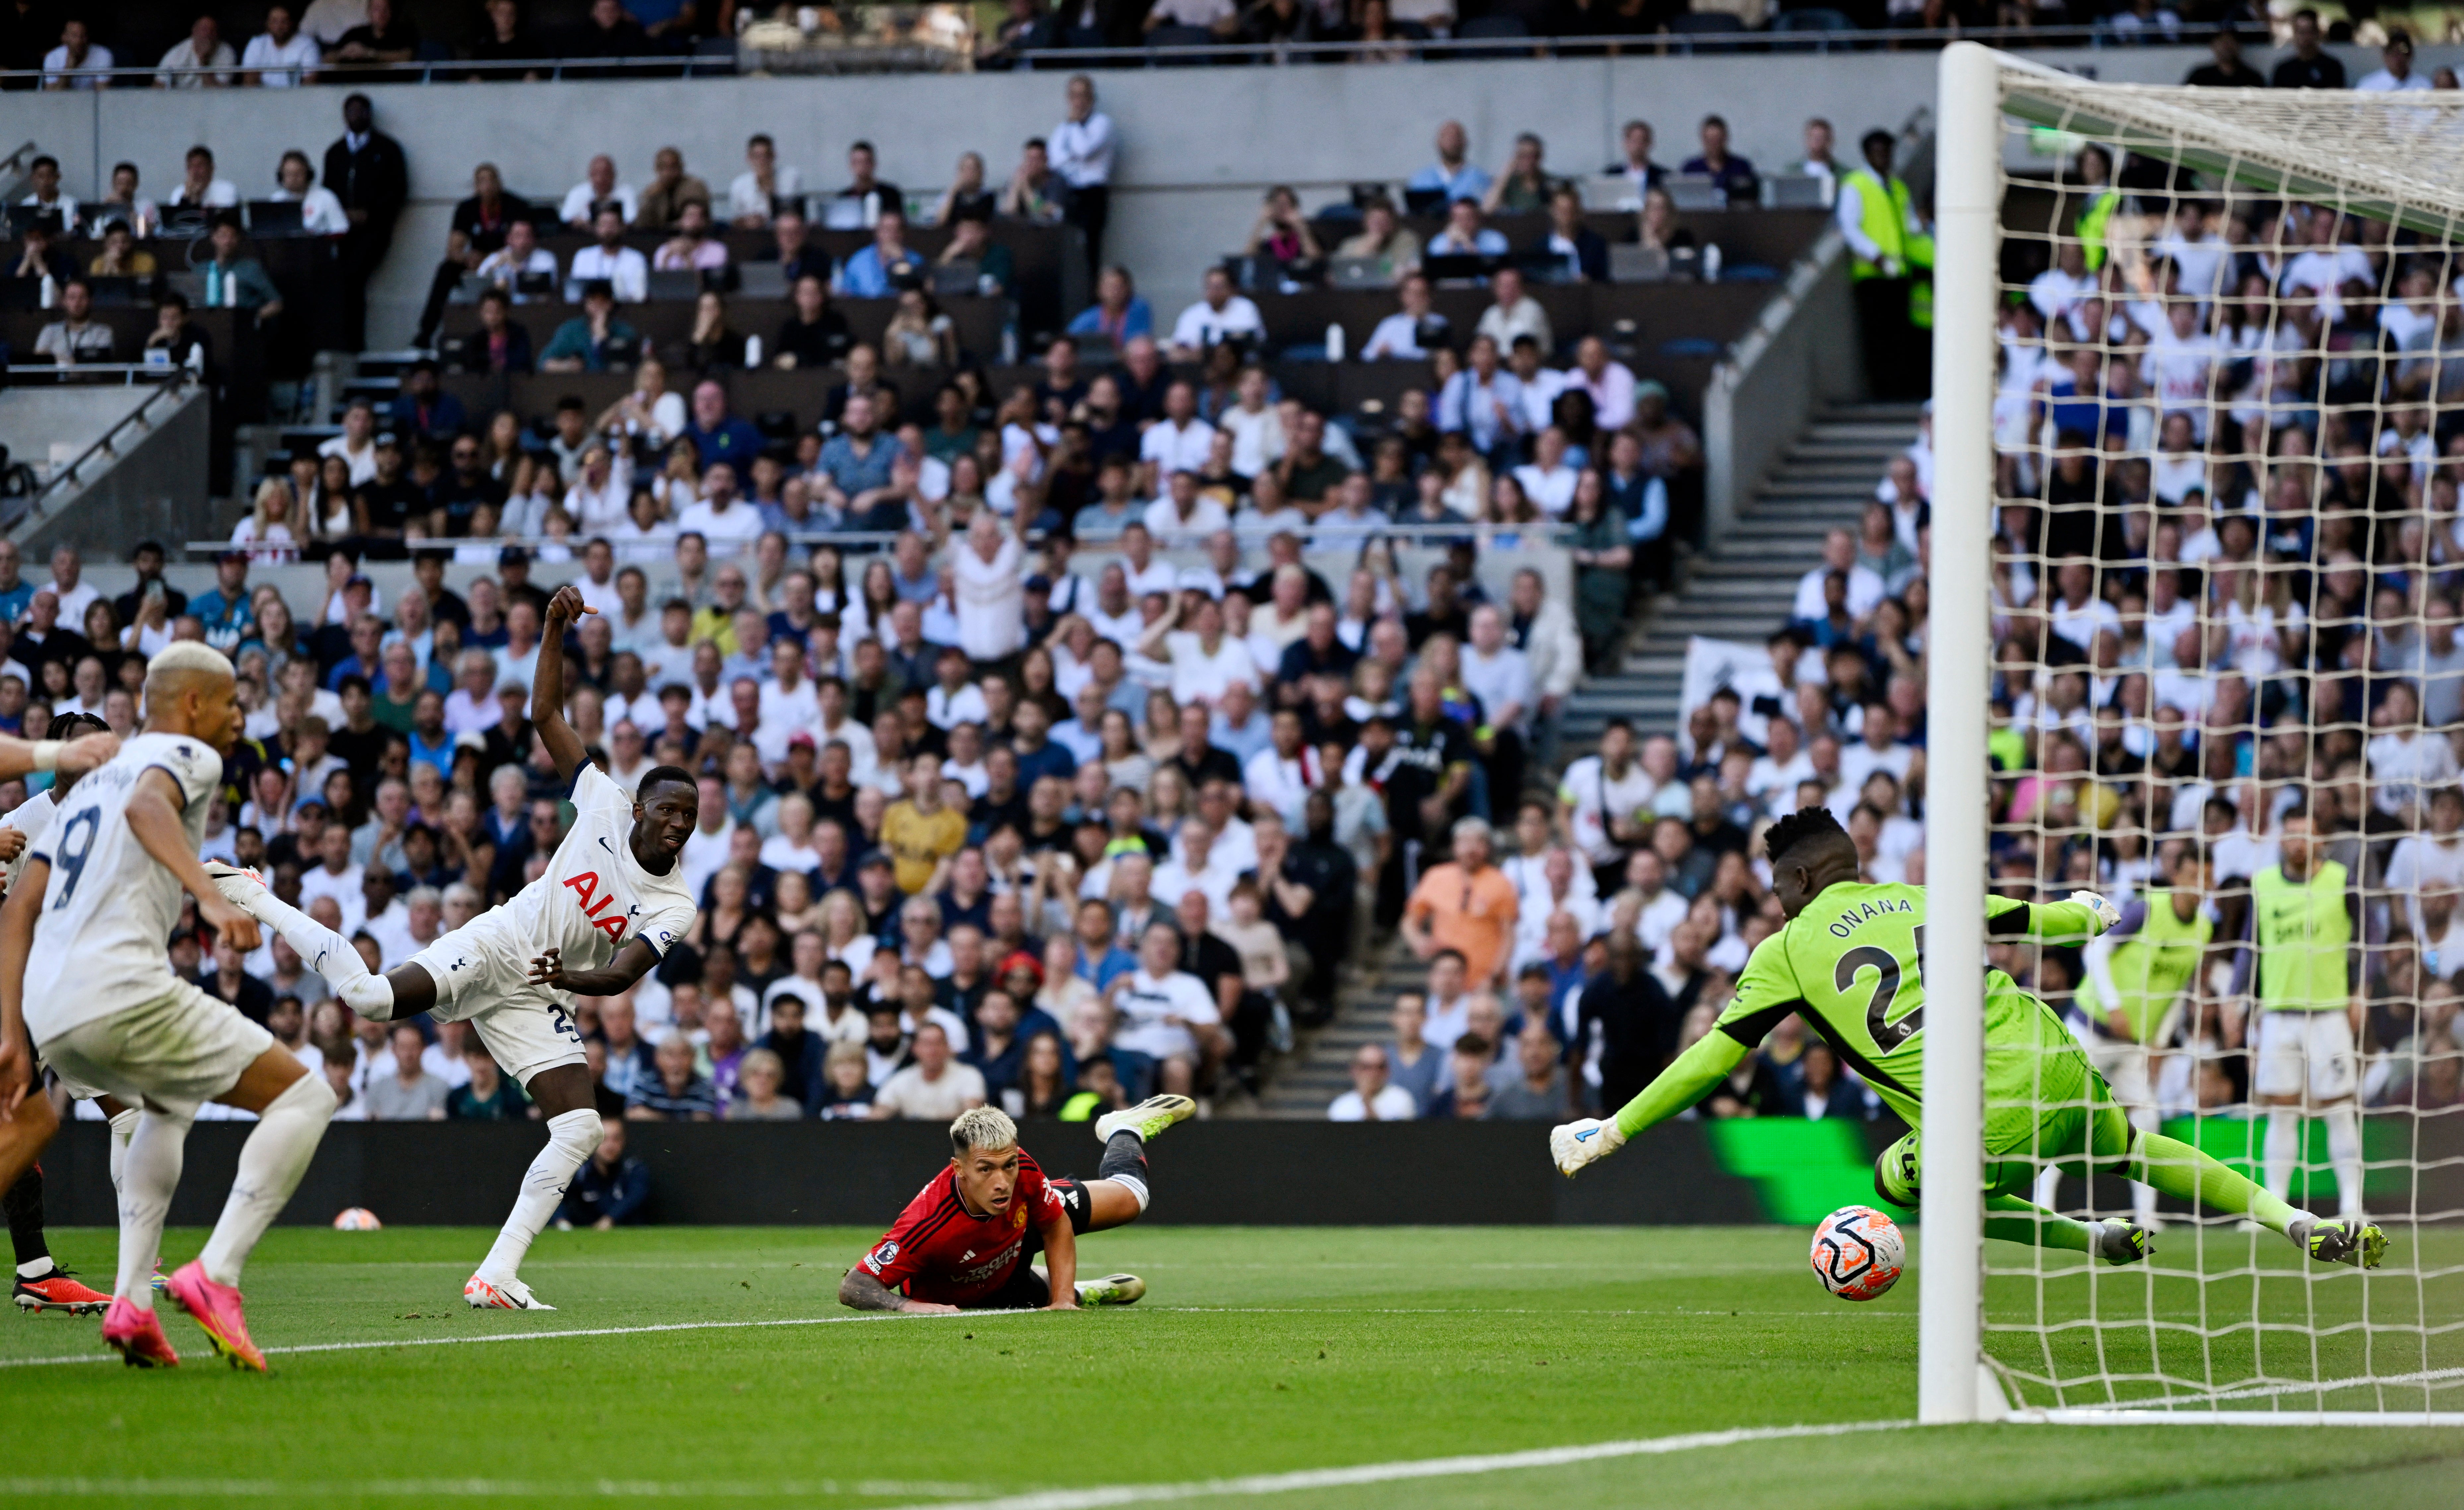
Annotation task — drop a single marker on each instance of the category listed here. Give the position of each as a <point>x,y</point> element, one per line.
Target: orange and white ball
<point>1859,1253</point>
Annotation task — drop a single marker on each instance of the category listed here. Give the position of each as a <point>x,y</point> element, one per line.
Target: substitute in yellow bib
<point>2140,974</point>
<point>2302,972</point>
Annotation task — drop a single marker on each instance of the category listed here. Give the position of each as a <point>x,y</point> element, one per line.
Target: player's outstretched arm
<point>1060,1263</point>
<point>154,818</point>
<point>861,1291</point>
<point>1687,1079</point>
<point>17,915</point>
<point>547,689</point>
<point>2084,915</point>
<point>72,757</point>
<point>632,963</point>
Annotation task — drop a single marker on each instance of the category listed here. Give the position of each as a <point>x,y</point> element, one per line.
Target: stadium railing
<point>719,64</point>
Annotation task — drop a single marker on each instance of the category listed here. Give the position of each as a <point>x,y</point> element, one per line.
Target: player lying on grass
<point>41,1284</point>
<point>1847,962</point>
<point>611,902</point>
<point>966,1241</point>
<point>82,967</point>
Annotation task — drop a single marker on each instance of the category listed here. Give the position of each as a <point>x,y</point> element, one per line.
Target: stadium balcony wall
<point>1200,144</point>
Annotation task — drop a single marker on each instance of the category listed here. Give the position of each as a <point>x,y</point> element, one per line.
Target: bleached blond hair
<point>180,660</point>
<point>982,1127</point>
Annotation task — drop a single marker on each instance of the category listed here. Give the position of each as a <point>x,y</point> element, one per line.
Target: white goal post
<point>2328,455</point>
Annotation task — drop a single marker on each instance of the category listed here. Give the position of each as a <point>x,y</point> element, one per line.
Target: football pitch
<point>1348,1367</point>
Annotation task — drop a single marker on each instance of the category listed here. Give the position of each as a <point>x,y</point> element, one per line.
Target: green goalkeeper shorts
<point>2040,1108</point>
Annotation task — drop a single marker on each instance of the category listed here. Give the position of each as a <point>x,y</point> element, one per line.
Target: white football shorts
<point>2312,1048</point>
<point>482,981</point>
<point>177,1051</point>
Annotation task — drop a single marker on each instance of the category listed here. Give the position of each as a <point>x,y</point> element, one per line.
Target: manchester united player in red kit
<point>964,1243</point>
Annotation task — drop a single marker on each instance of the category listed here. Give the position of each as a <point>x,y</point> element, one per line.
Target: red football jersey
<point>939,1250</point>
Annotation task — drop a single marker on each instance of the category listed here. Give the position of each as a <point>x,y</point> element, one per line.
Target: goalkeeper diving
<point>1847,962</point>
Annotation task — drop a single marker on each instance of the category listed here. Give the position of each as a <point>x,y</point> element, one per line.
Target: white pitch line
<point>378,1343</point>
<point>1101,1496</point>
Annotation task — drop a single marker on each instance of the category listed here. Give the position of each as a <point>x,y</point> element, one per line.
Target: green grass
<point>1258,1351</point>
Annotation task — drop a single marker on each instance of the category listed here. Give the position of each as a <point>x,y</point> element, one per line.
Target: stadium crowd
<point>2224,594</point>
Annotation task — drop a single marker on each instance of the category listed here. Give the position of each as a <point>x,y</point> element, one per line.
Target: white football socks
<point>123,1127</point>
<point>572,1136</point>
<point>149,1175</point>
<point>271,1163</point>
<point>2283,1148</point>
<point>329,955</point>
<point>2344,1156</point>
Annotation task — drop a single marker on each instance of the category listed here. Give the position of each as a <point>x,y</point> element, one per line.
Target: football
<point>357,1218</point>
<point>1858,1252</point>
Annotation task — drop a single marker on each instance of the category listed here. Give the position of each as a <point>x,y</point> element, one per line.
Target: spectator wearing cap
<point>625,271</point>
<point>593,339</point>
<point>425,408</point>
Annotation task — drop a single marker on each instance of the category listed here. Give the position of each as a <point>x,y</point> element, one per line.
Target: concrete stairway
<point>1739,589</point>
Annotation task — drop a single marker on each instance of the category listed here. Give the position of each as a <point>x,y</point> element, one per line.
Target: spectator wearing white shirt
<point>320,213</point>
<point>201,190</point>
<point>1500,676</point>
<point>2057,291</point>
<point>1219,315</point>
<point>1865,590</point>
<point>625,269</point>
<point>1198,863</point>
<point>2404,761</point>
<point>1413,331</point>
<point>522,253</point>
<point>1878,748</point>
<point>1178,442</point>
<point>1185,515</point>
<point>281,57</point>
<point>2394,74</point>
<point>78,63</point>
<point>990,591</point>
<point>1546,480</point>
<point>1373,1096</point>
<point>1082,150</point>
<point>200,60</point>
<point>598,186</point>
<point>763,188</point>
<point>1516,313</point>
<point>1167,1013</point>
<point>44,177</point>
<point>1204,659</point>
<point>1280,778</point>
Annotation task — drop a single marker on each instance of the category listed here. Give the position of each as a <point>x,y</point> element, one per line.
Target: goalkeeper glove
<point>1576,1144</point>
<point>2107,915</point>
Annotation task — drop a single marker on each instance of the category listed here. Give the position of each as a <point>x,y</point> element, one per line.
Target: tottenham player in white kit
<point>41,1284</point>
<point>607,910</point>
<point>82,964</point>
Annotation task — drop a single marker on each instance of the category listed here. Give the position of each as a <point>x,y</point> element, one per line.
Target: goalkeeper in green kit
<point>1847,962</point>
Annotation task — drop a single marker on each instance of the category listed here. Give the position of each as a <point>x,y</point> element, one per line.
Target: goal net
<point>2203,352</point>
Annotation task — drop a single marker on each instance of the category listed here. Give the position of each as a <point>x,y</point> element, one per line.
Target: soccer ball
<point>1858,1252</point>
<point>359,1219</point>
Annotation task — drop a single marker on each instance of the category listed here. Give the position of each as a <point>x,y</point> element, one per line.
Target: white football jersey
<point>99,946</point>
<point>32,817</point>
<point>596,896</point>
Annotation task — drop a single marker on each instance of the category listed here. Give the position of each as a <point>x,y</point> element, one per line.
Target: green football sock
<point>2013,1219</point>
<point>2179,1169</point>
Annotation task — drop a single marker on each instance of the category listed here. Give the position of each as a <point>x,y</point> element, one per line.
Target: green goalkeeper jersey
<point>1849,964</point>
